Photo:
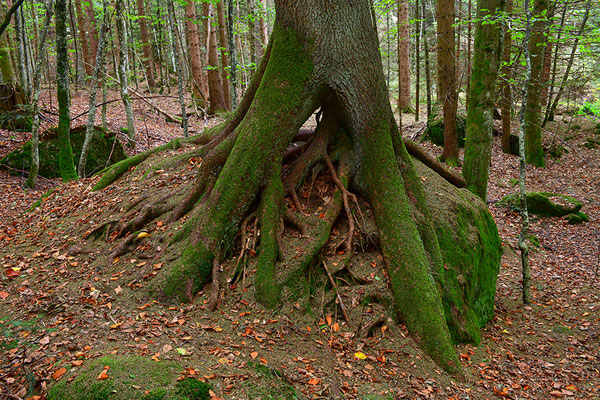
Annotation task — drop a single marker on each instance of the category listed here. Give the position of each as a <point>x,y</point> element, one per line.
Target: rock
<point>102,148</point>
<point>128,377</point>
<point>434,131</point>
<point>471,248</point>
<point>577,218</point>
<point>544,204</point>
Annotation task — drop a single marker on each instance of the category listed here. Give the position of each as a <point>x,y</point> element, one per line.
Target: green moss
<point>128,378</point>
<point>101,151</point>
<point>268,383</point>
<point>544,204</point>
<point>19,121</point>
<point>577,218</point>
<point>569,137</point>
<point>471,250</point>
<point>434,131</point>
<point>41,199</point>
<point>193,389</point>
<point>591,143</point>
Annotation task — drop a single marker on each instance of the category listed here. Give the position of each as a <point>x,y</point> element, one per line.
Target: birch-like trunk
<point>123,70</point>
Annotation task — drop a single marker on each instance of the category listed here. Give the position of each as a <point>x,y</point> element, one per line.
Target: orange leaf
<point>59,373</point>
<point>3,295</point>
<point>314,381</point>
<point>263,360</point>
<point>336,327</point>
<point>501,392</point>
<point>103,374</point>
<point>329,320</point>
<point>254,354</point>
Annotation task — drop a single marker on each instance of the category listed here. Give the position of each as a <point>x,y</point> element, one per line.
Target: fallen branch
<point>337,293</point>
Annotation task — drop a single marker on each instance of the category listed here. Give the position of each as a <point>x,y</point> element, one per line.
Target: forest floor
<point>58,312</point>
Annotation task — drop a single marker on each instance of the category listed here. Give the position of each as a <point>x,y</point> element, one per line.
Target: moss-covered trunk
<point>482,95</point>
<point>321,54</point>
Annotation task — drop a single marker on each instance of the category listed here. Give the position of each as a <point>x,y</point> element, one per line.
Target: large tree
<point>323,55</point>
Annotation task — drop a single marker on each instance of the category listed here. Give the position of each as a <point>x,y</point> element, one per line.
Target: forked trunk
<point>322,54</point>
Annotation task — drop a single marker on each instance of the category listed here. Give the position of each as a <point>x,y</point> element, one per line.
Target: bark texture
<point>146,48</point>
<point>403,55</point>
<point>482,95</point>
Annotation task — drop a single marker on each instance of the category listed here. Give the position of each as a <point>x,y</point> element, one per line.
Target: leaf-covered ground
<point>63,304</point>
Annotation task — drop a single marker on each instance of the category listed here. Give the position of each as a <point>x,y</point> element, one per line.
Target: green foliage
<point>590,109</point>
<point>16,333</point>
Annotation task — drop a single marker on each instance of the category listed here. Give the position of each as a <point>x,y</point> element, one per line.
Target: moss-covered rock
<point>129,377</point>
<point>15,121</point>
<point>544,204</point>
<point>577,218</point>
<point>434,131</point>
<point>471,248</point>
<point>104,147</point>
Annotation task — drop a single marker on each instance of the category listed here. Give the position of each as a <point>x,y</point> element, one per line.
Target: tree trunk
<point>215,85</point>
<point>89,130</point>
<point>83,39</point>
<point>426,48</point>
<point>146,48</point>
<point>224,54</point>
<point>198,78</point>
<point>480,116</point>
<point>92,33</point>
<point>447,94</point>
<point>505,85</point>
<point>37,74</point>
<point>65,151</point>
<point>123,70</point>
<point>546,70</point>
<point>534,153</point>
<point>419,30</point>
<point>297,77</point>
<point>232,53</point>
<point>171,16</point>
<point>555,60</point>
<point>403,56</point>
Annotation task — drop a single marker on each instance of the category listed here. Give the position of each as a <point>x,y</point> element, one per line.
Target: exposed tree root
<point>216,287</point>
<point>337,292</point>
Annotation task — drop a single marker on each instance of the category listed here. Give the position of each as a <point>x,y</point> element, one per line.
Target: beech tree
<point>322,55</point>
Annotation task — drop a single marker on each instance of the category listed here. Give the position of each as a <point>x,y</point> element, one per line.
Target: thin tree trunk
<point>403,56</point>
<point>65,151</point>
<point>171,15</point>
<point>505,85</point>
<point>418,29</point>
<point>546,70</point>
<point>146,49</point>
<point>224,54</point>
<point>8,17</point>
<point>469,39</point>
<point>93,33</point>
<point>21,60</point>
<point>123,68</point>
<point>37,75</point>
<point>563,84</point>
<point>555,59</point>
<point>425,24</point>
<point>447,94</point>
<point>232,53</point>
<point>526,273</point>
<point>89,129</point>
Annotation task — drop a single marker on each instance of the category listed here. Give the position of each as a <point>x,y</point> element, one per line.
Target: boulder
<point>104,148</point>
<point>128,377</point>
<point>471,248</point>
<point>434,132</point>
<point>544,204</point>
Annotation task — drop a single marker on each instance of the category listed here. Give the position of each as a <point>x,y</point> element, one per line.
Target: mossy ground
<point>434,131</point>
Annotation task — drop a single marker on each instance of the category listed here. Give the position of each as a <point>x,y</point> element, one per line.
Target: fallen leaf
<point>142,235</point>
<point>3,295</point>
<point>59,373</point>
<point>360,355</point>
<point>103,374</point>
<point>314,381</point>
<point>254,354</point>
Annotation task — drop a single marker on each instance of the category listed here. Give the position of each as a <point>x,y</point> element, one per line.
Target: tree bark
<point>403,56</point>
<point>480,117</point>
<point>93,32</point>
<point>83,39</point>
<point>534,153</point>
<point>65,151</point>
<point>232,53</point>
<point>146,48</point>
<point>184,120</point>
<point>447,94</point>
<point>224,54</point>
<point>198,78</point>
<point>215,85</point>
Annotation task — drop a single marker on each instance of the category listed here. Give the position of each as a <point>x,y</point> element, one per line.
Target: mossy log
<point>104,149</point>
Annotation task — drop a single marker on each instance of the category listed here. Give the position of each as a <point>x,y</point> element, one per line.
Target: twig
<point>337,293</point>
<point>214,292</point>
